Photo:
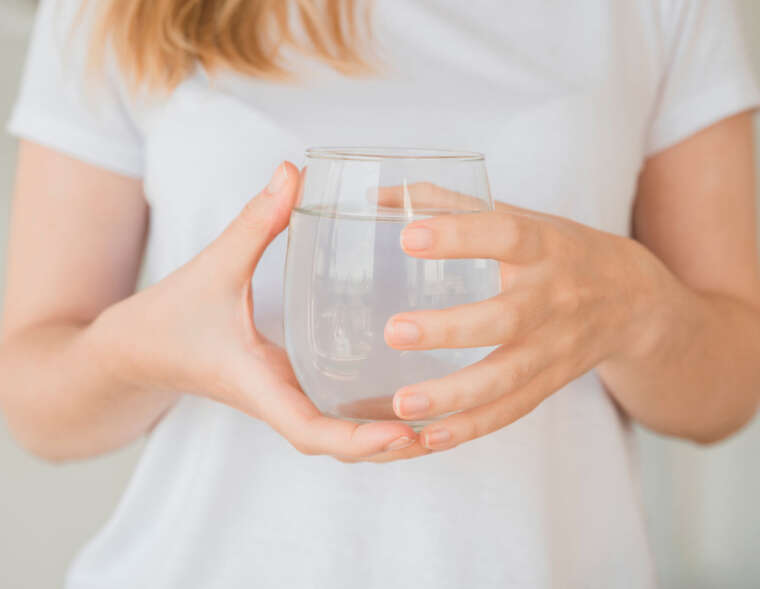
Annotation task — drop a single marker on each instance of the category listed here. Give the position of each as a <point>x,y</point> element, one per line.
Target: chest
<point>560,114</point>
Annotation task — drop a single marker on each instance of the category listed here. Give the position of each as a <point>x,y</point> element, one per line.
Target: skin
<point>86,366</point>
<point>671,320</point>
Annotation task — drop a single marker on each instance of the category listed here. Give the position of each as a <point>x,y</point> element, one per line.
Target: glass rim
<point>392,153</point>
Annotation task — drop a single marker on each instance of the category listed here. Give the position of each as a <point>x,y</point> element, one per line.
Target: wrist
<point>654,297</point>
<point>107,342</point>
<point>139,404</point>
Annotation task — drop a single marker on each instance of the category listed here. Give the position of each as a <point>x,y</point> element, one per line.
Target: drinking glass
<point>346,273</point>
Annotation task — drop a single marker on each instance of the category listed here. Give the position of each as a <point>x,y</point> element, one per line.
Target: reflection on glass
<point>347,274</point>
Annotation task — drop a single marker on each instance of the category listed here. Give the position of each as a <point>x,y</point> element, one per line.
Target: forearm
<point>698,375</point>
<point>59,399</point>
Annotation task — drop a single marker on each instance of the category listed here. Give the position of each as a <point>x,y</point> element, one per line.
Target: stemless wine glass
<point>346,273</point>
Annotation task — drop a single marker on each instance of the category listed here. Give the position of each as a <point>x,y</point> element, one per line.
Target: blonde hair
<point>157,43</point>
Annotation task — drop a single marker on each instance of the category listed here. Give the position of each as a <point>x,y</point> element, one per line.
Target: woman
<point>632,291</point>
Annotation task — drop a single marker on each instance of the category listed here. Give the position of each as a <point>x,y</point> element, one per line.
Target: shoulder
<point>64,104</point>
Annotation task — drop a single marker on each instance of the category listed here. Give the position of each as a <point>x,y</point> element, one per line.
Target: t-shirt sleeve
<point>707,74</point>
<point>64,106</point>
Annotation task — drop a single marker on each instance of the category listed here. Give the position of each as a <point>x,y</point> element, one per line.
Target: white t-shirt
<point>566,99</point>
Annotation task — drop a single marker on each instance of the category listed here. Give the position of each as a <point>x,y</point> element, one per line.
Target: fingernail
<point>410,405</point>
<point>437,437</point>
<point>416,238</point>
<point>404,332</point>
<point>279,178</point>
<point>400,443</point>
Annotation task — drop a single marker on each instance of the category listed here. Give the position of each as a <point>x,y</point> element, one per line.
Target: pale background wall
<point>702,503</point>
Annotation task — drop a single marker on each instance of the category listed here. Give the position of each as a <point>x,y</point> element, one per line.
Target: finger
<point>496,321</point>
<point>483,420</point>
<point>294,416</point>
<point>373,408</point>
<point>502,372</point>
<point>425,195</point>
<point>508,237</point>
<point>239,248</point>
<point>414,451</point>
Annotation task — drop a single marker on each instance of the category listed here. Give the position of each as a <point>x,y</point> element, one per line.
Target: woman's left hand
<point>571,297</point>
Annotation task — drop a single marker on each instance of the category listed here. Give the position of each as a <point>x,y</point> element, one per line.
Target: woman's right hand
<point>193,332</point>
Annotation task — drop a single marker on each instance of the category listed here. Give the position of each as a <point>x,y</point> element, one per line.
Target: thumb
<point>242,243</point>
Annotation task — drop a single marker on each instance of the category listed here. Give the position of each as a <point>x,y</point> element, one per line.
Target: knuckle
<point>304,448</point>
<point>451,332</point>
<point>456,397</point>
<point>254,215</point>
<point>345,460</point>
<point>471,430</point>
<point>508,413</point>
<point>493,385</point>
<point>508,321</point>
<point>251,210</point>
<point>553,240</point>
<point>357,454</point>
<point>569,298</point>
<point>510,234</point>
<point>477,429</point>
<point>527,405</point>
<point>570,340</point>
<point>545,241</point>
<point>511,378</point>
<point>498,419</point>
<point>547,274</point>
<point>521,371</point>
